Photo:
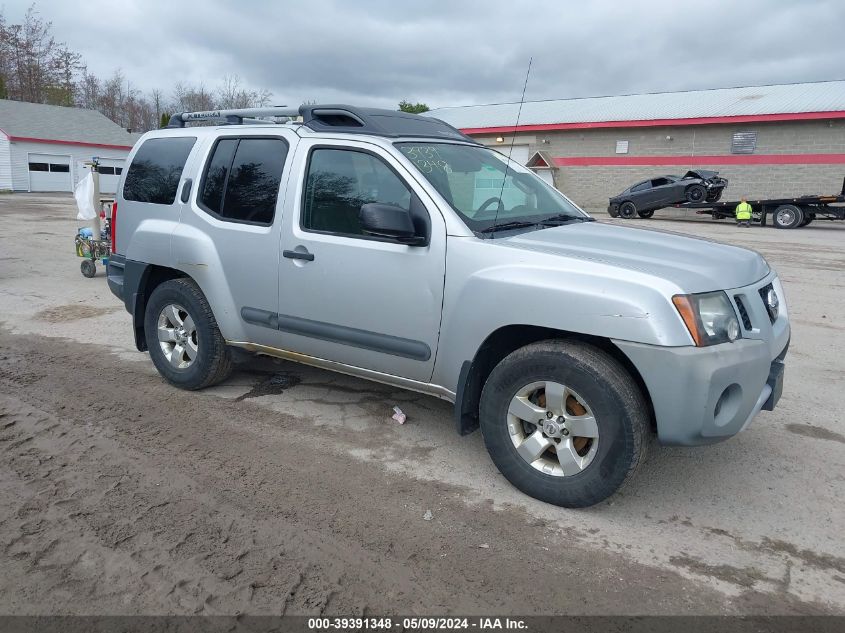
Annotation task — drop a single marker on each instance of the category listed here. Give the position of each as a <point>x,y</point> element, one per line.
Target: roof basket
<point>233,117</point>
<point>335,118</point>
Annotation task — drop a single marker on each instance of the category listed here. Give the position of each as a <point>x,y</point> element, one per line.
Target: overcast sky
<point>377,52</point>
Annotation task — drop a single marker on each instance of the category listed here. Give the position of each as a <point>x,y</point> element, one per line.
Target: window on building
<point>340,182</point>
<point>155,171</point>
<point>59,168</point>
<point>241,181</point>
<point>118,171</point>
<point>743,142</point>
<point>105,170</point>
<point>39,167</point>
<point>621,147</point>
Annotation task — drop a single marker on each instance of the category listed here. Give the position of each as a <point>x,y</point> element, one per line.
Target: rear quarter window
<point>154,174</point>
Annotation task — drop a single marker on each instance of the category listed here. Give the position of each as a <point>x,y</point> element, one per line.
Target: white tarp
<point>84,194</point>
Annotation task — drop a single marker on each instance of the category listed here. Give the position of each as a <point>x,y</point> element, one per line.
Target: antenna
<point>510,150</point>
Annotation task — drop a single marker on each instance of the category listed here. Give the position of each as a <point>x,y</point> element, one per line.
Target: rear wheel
<point>185,343</point>
<point>564,422</point>
<point>696,193</point>
<point>787,216</point>
<point>628,210</point>
<point>808,217</point>
<point>645,215</point>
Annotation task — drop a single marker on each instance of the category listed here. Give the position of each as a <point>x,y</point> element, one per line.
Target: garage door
<point>519,153</point>
<point>49,172</point>
<point>110,170</point>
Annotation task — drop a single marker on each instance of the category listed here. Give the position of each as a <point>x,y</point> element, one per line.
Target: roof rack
<point>336,118</point>
<point>232,117</point>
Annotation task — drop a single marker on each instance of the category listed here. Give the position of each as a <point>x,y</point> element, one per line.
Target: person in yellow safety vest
<point>743,213</point>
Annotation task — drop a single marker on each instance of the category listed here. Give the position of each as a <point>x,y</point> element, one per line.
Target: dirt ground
<point>289,489</point>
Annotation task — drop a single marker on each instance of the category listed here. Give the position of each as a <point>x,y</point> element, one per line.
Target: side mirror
<point>386,220</point>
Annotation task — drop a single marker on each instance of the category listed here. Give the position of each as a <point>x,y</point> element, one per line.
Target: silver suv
<point>392,247</point>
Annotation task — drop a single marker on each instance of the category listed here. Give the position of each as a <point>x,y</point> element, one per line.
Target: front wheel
<point>696,193</point>
<point>564,422</point>
<point>184,341</point>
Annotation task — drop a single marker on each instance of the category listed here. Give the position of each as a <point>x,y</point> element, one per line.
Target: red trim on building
<point>729,159</point>
<point>26,139</point>
<point>710,120</point>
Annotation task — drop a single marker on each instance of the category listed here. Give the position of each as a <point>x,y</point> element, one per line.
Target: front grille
<point>743,313</point>
<point>764,295</point>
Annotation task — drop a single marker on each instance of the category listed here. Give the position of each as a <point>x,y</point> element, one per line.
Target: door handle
<point>308,257</point>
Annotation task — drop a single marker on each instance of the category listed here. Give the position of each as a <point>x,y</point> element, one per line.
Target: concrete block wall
<point>592,185</point>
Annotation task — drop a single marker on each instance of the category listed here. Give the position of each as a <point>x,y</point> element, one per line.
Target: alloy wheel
<point>177,336</point>
<point>552,428</point>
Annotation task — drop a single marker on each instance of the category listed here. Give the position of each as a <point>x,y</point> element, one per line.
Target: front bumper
<point>703,395</point>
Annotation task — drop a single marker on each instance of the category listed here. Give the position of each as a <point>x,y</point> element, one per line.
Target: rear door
<point>228,237</point>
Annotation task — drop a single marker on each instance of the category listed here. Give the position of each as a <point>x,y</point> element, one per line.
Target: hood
<point>693,264</point>
<point>704,174</point>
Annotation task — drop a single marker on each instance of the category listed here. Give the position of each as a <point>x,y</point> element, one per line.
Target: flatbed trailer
<point>786,213</point>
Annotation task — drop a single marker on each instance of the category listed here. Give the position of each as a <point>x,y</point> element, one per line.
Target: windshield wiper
<point>505,226</point>
<point>562,218</point>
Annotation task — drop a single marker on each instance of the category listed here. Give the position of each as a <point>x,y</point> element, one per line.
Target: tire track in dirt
<point>123,495</point>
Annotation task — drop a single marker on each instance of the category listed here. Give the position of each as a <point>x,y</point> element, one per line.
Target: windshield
<point>472,179</point>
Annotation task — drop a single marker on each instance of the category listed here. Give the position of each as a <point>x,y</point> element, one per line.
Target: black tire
<point>808,218</point>
<point>714,197</point>
<point>645,215</point>
<point>213,361</point>
<point>613,211</point>
<point>787,216</point>
<point>88,268</point>
<point>619,408</point>
<point>628,210</point>
<point>696,193</point>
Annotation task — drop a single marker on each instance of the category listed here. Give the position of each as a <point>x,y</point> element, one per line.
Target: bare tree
<point>88,91</point>
<point>192,98</point>
<point>230,94</point>
<point>67,65</point>
<point>35,67</point>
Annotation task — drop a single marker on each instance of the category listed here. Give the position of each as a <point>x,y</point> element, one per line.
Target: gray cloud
<point>449,53</point>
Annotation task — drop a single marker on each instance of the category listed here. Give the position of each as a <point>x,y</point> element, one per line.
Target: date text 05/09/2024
<point>416,623</point>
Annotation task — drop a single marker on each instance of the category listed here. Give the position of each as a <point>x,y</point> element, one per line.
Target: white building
<point>45,148</point>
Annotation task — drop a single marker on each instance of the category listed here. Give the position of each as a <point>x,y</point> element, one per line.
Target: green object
<point>743,211</point>
<point>413,108</point>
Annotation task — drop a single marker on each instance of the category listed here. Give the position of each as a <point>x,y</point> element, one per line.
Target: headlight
<point>709,317</point>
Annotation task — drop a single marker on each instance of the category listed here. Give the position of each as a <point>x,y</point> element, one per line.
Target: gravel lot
<point>289,489</point>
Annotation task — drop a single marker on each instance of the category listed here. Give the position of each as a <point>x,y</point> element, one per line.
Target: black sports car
<point>645,197</point>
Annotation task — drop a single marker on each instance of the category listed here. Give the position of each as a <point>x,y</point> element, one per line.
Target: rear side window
<point>155,171</point>
<point>241,180</point>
